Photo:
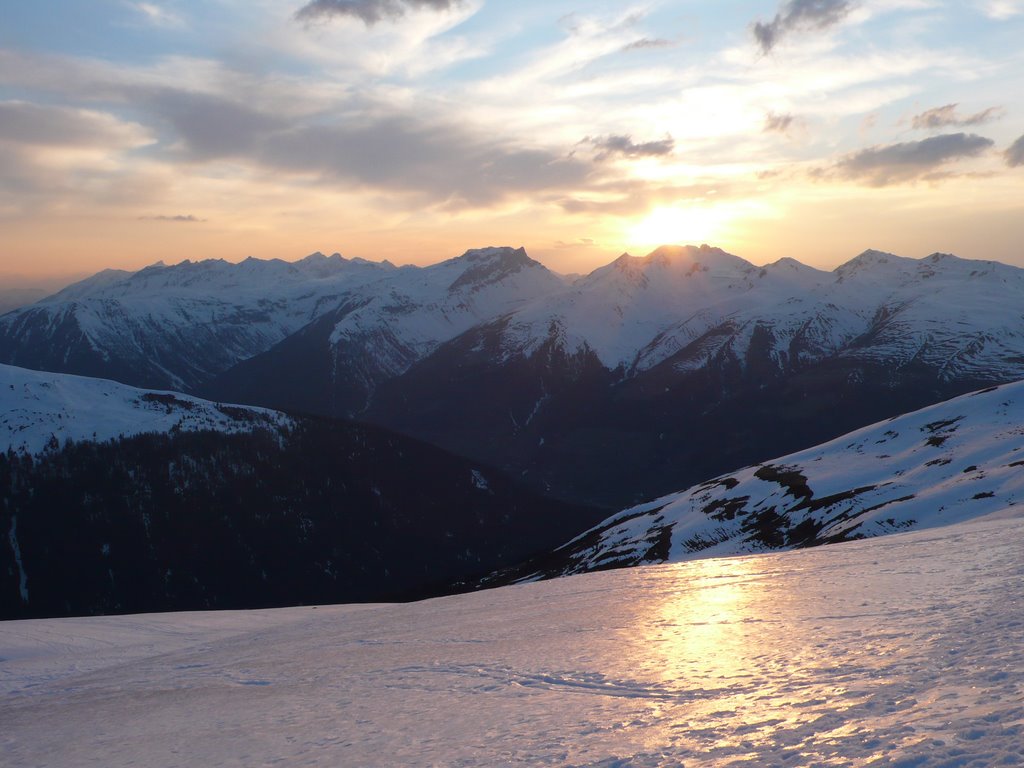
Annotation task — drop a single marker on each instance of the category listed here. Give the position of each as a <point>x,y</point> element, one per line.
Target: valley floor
<point>904,650</point>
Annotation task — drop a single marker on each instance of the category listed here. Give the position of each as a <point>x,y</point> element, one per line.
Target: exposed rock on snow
<point>959,460</point>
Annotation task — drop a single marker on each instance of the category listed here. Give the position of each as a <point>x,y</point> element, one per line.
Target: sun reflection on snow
<point>735,666</point>
<point>711,642</point>
<point>703,628</point>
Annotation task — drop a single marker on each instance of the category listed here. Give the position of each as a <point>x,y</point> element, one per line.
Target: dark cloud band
<point>947,117</point>
<point>624,146</point>
<point>910,160</point>
<point>797,15</point>
<point>369,11</point>
<point>1015,154</point>
<point>777,123</point>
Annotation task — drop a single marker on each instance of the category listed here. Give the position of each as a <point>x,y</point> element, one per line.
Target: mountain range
<point>608,389</point>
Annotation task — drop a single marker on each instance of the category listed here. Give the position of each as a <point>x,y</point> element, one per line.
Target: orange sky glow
<point>412,131</point>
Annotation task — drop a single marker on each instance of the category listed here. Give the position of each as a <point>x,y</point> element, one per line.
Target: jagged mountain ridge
<point>377,334</point>
<point>748,363</point>
<point>948,463</point>
<point>180,326</point>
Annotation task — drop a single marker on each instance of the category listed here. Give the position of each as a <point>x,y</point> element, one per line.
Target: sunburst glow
<point>680,224</point>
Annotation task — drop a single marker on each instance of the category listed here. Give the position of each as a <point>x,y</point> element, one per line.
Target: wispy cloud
<point>895,163</point>
<point>46,125</point>
<point>369,11</point>
<point>155,14</point>
<point>777,123</point>
<point>1015,154</point>
<point>947,117</point>
<point>646,43</point>
<point>181,218</point>
<point>1003,9</point>
<point>624,146</point>
<point>797,15</point>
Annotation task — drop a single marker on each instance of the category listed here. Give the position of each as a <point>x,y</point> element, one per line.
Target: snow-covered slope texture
<point>378,332</point>
<point>40,410</point>
<point>179,326</point>
<point>956,461</point>
<point>901,651</point>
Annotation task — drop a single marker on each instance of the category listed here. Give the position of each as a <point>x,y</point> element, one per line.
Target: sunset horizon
<point>415,130</point>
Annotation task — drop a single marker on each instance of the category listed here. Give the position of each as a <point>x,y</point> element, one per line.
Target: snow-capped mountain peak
<point>490,265</point>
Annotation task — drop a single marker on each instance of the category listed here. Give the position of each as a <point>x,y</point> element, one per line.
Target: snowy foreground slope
<point>904,650</point>
<point>951,462</point>
<point>36,408</point>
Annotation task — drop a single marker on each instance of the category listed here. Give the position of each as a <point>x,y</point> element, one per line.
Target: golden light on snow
<point>708,620</point>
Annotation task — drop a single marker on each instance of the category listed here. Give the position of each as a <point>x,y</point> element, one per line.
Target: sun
<point>679,225</point>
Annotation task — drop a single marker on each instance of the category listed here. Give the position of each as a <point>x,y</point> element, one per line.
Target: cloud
<point>399,147</point>
<point>624,146</point>
<point>184,218</point>
<point>207,125</point>
<point>907,161</point>
<point>1015,154</point>
<point>369,11</point>
<point>799,15</point>
<point>946,117</point>
<point>45,125</point>
<point>1001,10</point>
<point>155,14</point>
<point>776,123</point>
<point>439,162</point>
<point>645,43</point>
<point>436,161</point>
<point>635,196</point>
<point>583,242</point>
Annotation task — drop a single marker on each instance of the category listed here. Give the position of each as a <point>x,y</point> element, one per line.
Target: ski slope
<point>906,650</point>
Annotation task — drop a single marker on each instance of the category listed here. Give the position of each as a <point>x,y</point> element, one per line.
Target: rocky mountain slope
<point>956,461</point>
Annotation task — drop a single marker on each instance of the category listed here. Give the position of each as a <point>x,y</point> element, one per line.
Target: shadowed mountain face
<point>646,374</point>
<point>237,508</point>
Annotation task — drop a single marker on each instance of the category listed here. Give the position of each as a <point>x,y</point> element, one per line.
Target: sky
<point>412,130</point>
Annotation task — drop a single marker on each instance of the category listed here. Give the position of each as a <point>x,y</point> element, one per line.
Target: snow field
<point>906,650</point>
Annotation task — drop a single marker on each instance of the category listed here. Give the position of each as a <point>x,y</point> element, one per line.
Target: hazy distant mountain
<point>956,461</point>
<point>115,499</point>
<point>176,327</point>
<point>13,298</point>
